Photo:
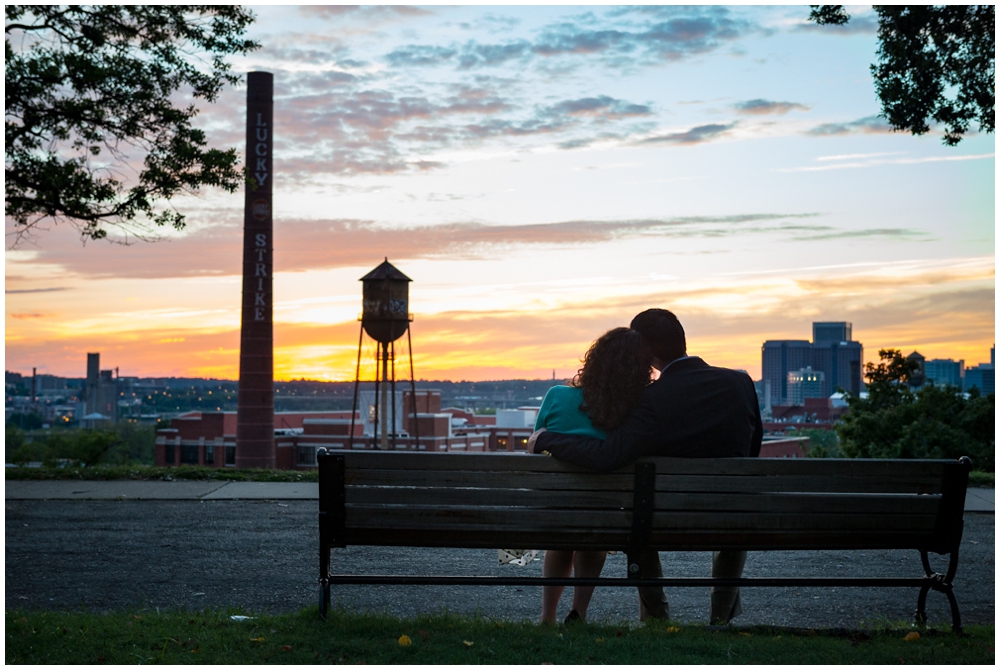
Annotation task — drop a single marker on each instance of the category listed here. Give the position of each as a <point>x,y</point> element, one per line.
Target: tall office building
<point>831,352</point>
<point>778,358</point>
<point>945,372</point>
<point>805,383</point>
<point>831,331</point>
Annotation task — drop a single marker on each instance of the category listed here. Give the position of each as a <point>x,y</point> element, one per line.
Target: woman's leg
<point>586,564</point>
<point>558,563</point>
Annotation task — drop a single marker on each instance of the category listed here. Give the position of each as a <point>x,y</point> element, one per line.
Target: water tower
<point>385,317</point>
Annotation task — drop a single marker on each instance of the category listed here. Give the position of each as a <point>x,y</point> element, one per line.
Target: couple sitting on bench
<point>613,414</point>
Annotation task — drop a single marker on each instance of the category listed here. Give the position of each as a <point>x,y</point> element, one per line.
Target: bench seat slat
<point>434,518</point>
<point>795,483</point>
<point>561,481</point>
<point>555,481</point>
<point>519,499</point>
<point>519,462</point>
<point>474,537</point>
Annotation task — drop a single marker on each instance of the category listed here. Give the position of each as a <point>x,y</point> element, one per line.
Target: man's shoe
<point>573,617</point>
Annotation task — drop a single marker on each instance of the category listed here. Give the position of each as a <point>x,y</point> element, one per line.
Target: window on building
<point>307,456</point>
<point>189,454</point>
<point>209,454</point>
<point>168,455</point>
<point>231,454</point>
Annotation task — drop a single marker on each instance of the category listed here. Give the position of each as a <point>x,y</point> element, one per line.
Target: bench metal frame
<point>333,532</point>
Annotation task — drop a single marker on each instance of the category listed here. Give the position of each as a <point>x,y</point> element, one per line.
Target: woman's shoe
<point>573,617</point>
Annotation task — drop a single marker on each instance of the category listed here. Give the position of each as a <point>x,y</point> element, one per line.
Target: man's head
<point>663,334</point>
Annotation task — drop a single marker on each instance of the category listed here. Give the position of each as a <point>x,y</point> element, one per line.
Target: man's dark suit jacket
<point>693,410</point>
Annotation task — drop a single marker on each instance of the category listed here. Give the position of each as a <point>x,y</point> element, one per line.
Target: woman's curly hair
<point>615,370</point>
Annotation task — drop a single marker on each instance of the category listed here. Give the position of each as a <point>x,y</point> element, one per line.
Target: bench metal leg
<point>324,575</point>
<point>942,583</point>
<point>324,599</point>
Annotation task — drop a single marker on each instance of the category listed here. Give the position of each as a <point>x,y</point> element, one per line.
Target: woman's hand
<point>533,439</point>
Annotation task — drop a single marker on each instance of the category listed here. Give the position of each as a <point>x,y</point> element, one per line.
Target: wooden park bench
<point>494,500</point>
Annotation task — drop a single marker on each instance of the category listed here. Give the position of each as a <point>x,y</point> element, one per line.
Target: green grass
<point>197,472</point>
<point>984,480</point>
<point>211,637</point>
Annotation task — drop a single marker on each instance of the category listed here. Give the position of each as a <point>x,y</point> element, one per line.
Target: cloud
<point>35,290</point>
<point>491,55</point>
<point>601,106</point>
<point>858,25</point>
<point>217,250</point>
<point>685,32</point>
<point>416,55</point>
<point>33,315</point>
<point>890,233</point>
<point>671,35</point>
<point>758,106</point>
<point>373,131</point>
<point>870,162</point>
<point>696,135</point>
<point>364,12</point>
<point>866,125</point>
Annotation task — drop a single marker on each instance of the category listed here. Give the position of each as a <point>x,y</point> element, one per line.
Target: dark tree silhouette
<point>933,422</point>
<point>935,63</point>
<point>95,130</point>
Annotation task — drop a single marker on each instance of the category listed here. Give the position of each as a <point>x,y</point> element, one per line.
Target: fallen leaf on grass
<point>194,651</point>
<point>256,639</point>
<point>405,641</point>
<point>745,635</point>
<point>673,629</point>
<point>912,637</point>
<point>599,640</point>
<point>467,643</point>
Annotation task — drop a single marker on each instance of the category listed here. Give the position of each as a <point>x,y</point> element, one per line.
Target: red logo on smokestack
<point>261,209</point>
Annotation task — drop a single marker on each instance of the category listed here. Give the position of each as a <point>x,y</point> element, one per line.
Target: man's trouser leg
<point>652,601</point>
<point>726,602</point>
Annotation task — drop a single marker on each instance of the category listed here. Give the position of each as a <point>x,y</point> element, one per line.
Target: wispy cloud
<point>639,36</point>
<point>36,290</point>
<point>893,161</point>
<point>762,107</point>
<point>696,135</point>
<point>866,125</point>
<point>217,250</point>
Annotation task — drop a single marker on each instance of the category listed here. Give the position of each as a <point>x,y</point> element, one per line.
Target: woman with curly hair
<point>616,369</point>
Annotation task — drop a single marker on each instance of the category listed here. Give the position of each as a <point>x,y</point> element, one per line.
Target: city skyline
<point>543,174</point>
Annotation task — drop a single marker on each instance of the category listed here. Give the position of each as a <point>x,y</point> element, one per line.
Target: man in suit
<point>693,410</point>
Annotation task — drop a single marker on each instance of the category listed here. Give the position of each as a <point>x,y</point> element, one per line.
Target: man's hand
<point>533,439</point>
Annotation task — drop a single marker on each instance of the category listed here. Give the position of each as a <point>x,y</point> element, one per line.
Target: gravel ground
<point>261,556</point>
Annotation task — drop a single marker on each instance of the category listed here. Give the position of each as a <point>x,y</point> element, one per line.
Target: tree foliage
<point>935,63</point>
<point>94,127</point>
<point>125,443</point>
<point>933,422</point>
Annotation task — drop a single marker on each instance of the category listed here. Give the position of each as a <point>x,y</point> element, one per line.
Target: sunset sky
<point>543,174</point>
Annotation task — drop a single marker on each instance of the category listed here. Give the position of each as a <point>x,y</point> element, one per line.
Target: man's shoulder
<point>696,365</point>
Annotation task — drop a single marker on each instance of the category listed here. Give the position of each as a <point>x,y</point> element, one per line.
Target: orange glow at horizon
<point>941,312</point>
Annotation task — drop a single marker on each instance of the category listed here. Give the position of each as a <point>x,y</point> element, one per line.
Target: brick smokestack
<point>255,403</point>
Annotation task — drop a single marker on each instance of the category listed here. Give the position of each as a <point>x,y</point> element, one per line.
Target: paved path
<point>976,500</point>
<point>104,546</point>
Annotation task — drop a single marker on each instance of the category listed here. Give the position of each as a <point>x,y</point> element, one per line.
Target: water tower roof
<point>385,271</point>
